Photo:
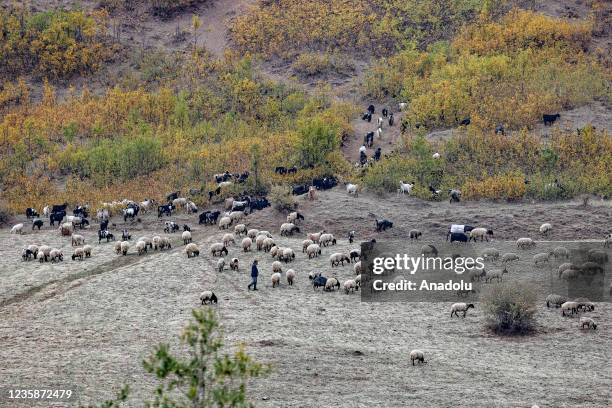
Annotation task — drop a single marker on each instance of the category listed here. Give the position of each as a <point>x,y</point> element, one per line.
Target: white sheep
<point>545,228</point>
<point>87,250</point>
<point>274,250</point>
<point>291,275</point>
<point>237,215</point>
<point>357,268</point>
<point>78,253</point>
<point>314,236</point>
<point>460,307</point>
<point>192,250</point>
<point>358,281</point>
<point>166,243</point>
<point>436,155</point>
<point>17,229</point>
<point>77,240</point>
<point>267,245</point>
<point>405,188</point>
<point>217,249</point>
<point>240,229</point>
<point>305,244</point>
<point>224,184</point>
<point>379,133</point>
<point>327,239</point>
<point>186,235</point>
<point>277,267</point>
<point>570,274</point>
<point>125,246</point>
<point>208,296</point>
<point>66,229</point>
<point>118,247</point>
<point>157,242</point>
<point>495,274</point>
<point>569,307</point>
<point>220,265</point>
<point>555,300</point>
<point>510,257</point>
<point>332,283</point>
<point>542,257</point>
<point>525,243</point>
<point>490,254</point>
<point>587,321</point>
<point>352,189</point>
<point>44,251</point>
<point>234,264</point>
<point>33,249</point>
<point>481,233</point>
<point>294,217</point>
<point>313,274</point>
<point>228,239</point>
<point>252,233</point>
<point>246,244</point>
<point>561,252</point>
<point>565,266</point>
<point>225,222</point>
<point>402,106</point>
<point>350,285</point>
<point>266,233</point>
<point>287,255</point>
<point>276,278</point>
<point>141,247</point>
<point>313,250</point>
<point>338,258</point>
<point>147,240</point>
<point>288,228</point>
<point>259,240</point>
<point>56,255</point>
<point>417,355</point>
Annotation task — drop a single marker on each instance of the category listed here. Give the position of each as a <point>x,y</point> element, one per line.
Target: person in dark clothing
<point>254,274</point>
<point>377,154</point>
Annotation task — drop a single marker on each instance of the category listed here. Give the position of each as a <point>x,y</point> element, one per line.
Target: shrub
<point>282,199</point>
<point>317,138</point>
<point>509,308</point>
<point>312,64</point>
<point>5,213</point>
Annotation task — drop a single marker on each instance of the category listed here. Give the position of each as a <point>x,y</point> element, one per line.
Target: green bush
<point>509,308</point>
<point>317,138</point>
<point>282,199</point>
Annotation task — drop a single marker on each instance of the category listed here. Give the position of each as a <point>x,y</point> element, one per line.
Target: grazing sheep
<point>240,229</point>
<point>306,243</point>
<point>561,252</point>
<point>481,233</point>
<point>313,274</point>
<point>17,229</point>
<point>234,264</point>
<point>545,229</point>
<point>44,252</point>
<point>208,297</point>
<point>288,228</point>
<point>415,234</point>
<point>357,268</point>
<point>608,241</point>
<point>286,255</point>
<point>355,254</point>
<point>78,253</point>
<point>542,257</point>
<point>338,258</point>
<point>405,188</point>
<point>166,243</point>
<point>267,245</point>
<point>275,278</point>
<point>417,355</point>
<point>525,243</point>
<point>383,225</point>
<point>192,250</point>
<point>77,240</point>
<point>220,265</point>
<point>555,300</point>
<point>330,284</point>
<point>141,247</point>
<point>314,236</point>
<point>236,215</point>
<point>55,255</point>
<point>186,235</point>
<point>313,250</point>
<point>252,233</point>
<point>510,257</point>
<point>291,275</point>
<point>217,249</point>
<point>87,249</point>
<point>350,285</point>
<point>497,274</point>
<point>312,193</point>
<point>569,307</point>
<point>259,240</point>
<point>327,239</point>
<point>228,239</point>
<point>37,224</point>
<point>66,229</point>
<point>265,233</point>
<point>591,268</point>
<point>352,189</point>
<point>569,274</point>
<point>225,222</point>
<point>427,250</point>
<point>587,321</point>
<point>277,267</point>
<point>125,246</point>
<point>294,217</point>
<point>358,281</point>
<point>455,195</point>
<point>585,305</point>
<point>246,244</point>
<point>490,254</point>
<point>118,247</point>
<point>460,307</point>
<point>33,250</point>
<point>148,241</point>
<point>27,254</point>
<point>228,203</point>
<point>598,256</point>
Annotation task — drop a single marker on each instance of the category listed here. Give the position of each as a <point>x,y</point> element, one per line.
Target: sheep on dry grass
<point>77,240</point>
<point>350,286</point>
<point>277,267</point>
<point>460,307</point>
<point>218,249</point>
<point>17,229</point>
<point>313,250</point>
<point>220,265</point>
<point>252,233</point>
<point>186,237</point>
<point>525,243</point>
<point>545,229</point>
<point>234,264</point>
<point>125,246</point>
<point>276,277</point>
<point>305,244</point>
<point>290,276</point>
<point>228,239</point>
<point>417,355</point>
<point>141,247</point>
<point>588,322</point>
<point>332,283</point>
<point>246,244</point>
<point>240,229</point>
<point>78,253</point>
<point>208,297</point>
<point>192,250</point>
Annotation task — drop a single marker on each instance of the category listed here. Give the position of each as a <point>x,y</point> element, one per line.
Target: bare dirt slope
<point>91,323</point>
